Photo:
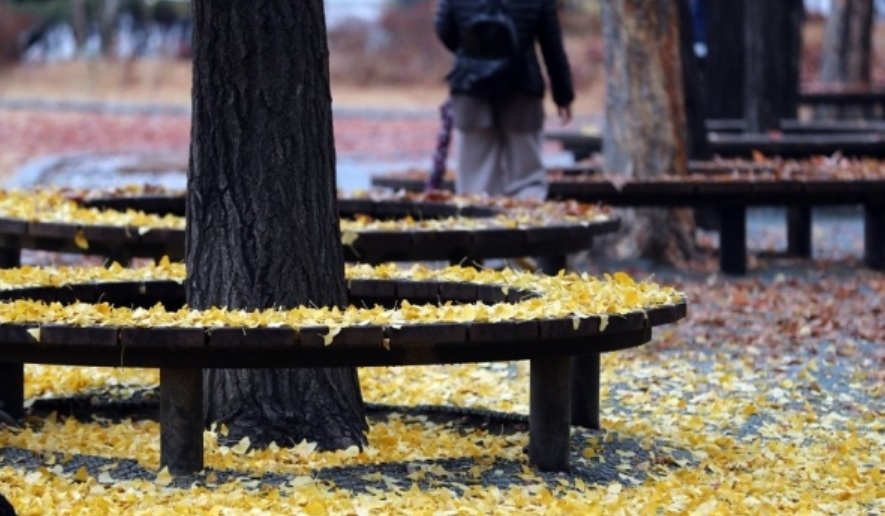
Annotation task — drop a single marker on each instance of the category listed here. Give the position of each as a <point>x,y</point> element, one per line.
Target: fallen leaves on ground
<point>772,388</point>
<point>756,445</point>
<point>29,135</point>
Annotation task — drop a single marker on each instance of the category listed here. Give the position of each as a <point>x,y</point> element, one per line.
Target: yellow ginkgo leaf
<point>349,237</point>
<point>80,240</point>
<point>241,447</point>
<point>82,475</point>
<point>164,478</point>
<point>603,322</point>
<point>333,331</point>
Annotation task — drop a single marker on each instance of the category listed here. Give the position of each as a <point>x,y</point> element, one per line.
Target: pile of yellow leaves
<point>802,458</point>
<point>573,296</point>
<point>49,205</point>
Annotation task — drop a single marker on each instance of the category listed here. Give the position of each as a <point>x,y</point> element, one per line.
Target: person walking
<point>499,131</point>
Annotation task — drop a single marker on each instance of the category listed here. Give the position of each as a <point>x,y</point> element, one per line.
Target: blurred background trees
<point>47,30</point>
<point>391,41</point>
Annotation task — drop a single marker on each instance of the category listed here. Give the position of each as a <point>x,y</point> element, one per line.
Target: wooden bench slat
<point>227,338</point>
<point>568,328</point>
<point>412,335</point>
<point>484,332</point>
<point>458,292</point>
<point>14,226</point>
<point>350,337</point>
<point>80,336</point>
<point>171,338</point>
<point>418,290</point>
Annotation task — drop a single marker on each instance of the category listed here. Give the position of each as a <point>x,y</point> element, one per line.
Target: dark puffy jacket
<point>535,20</point>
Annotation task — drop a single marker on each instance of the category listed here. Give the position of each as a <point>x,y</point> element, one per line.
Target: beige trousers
<point>500,162</point>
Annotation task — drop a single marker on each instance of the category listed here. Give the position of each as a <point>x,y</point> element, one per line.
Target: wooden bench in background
<point>731,188</point>
<point>743,144</point>
<point>732,195</point>
<point>737,125</point>
<point>872,99</point>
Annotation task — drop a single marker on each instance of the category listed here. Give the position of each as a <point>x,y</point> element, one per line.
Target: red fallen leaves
<point>26,135</point>
<point>819,312</point>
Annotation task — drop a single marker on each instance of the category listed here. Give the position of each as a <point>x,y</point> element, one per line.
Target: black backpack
<point>488,62</point>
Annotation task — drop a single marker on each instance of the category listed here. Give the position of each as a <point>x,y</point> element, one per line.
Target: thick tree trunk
<point>695,109</point>
<point>78,20</point>
<point>772,42</point>
<point>262,224</point>
<point>724,69</point>
<point>108,26</point>
<point>847,49</point>
<point>762,75</point>
<point>698,145</point>
<point>791,56</point>
<point>645,122</point>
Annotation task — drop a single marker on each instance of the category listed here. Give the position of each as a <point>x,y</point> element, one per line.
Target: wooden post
<point>551,265</point>
<point>874,236</point>
<point>12,389</point>
<point>585,390</point>
<point>10,257</point>
<point>549,413</point>
<point>799,231</point>
<point>181,420</point>
<point>733,239</point>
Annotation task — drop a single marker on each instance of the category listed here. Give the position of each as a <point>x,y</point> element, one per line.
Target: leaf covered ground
<point>768,399</point>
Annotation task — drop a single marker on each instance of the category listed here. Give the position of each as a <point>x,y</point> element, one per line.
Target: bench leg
<point>181,420</point>
<point>12,389</point>
<point>874,236</point>
<point>585,391</point>
<point>733,239</point>
<point>549,416</point>
<point>10,257</point>
<point>799,231</point>
<point>551,265</point>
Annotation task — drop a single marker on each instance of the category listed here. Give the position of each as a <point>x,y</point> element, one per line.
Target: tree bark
<point>695,112</point>
<point>262,224</point>
<point>724,69</point>
<point>847,49</point>
<point>791,52</point>
<point>108,25</point>
<point>78,20</point>
<point>772,42</point>
<point>645,124</point>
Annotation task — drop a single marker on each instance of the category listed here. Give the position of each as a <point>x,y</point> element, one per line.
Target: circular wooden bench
<point>497,232</point>
<point>558,396</point>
